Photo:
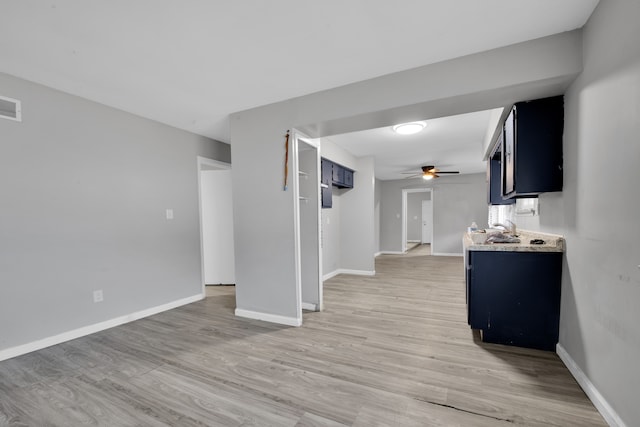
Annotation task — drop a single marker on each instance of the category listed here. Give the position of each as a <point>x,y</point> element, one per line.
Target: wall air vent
<point>10,109</point>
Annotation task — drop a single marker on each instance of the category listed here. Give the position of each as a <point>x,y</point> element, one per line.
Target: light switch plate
<point>169,213</point>
<point>98,296</point>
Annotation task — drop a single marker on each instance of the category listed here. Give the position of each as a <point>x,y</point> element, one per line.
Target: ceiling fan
<point>429,172</point>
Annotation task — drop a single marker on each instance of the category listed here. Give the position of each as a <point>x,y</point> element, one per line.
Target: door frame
<point>205,163</point>
<point>297,137</point>
<point>422,228</point>
<point>405,192</point>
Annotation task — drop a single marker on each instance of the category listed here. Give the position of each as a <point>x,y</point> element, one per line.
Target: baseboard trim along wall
<point>608,413</point>
<point>267,317</point>
<point>446,254</point>
<point>92,329</point>
<point>309,306</point>
<point>347,271</point>
<point>391,253</point>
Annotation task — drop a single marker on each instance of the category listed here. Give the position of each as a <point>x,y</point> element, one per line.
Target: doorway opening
<point>216,223</point>
<point>417,217</point>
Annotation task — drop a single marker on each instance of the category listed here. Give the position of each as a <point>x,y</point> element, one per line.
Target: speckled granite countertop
<point>552,243</point>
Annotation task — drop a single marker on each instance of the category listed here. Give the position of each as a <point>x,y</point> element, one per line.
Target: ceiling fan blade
<point>416,175</point>
<point>448,171</point>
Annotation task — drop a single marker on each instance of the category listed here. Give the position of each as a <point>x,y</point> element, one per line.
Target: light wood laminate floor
<point>389,350</point>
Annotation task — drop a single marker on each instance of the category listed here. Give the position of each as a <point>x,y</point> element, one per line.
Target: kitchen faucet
<point>511,228</point>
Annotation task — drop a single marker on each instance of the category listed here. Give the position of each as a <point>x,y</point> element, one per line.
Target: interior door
<point>217,227</point>
<point>427,221</point>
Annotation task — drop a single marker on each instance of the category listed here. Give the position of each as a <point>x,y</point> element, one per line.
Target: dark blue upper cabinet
<point>333,174</point>
<point>532,149</point>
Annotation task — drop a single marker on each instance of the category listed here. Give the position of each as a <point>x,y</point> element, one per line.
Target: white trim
<point>328,276</point>
<point>92,329</point>
<point>358,272</point>
<point>18,117</point>
<point>296,137</point>
<point>348,271</point>
<point>309,306</point>
<point>414,241</point>
<point>266,317</point>
<point>391,253</point>
<point>377,254</point>
<point>217,164</point>
<point>294,186</point>
<point>608,413</point>
<point>447,254</point>
<point>403,234</point>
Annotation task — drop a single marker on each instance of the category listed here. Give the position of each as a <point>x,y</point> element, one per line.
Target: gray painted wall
<point>265,269</point>
<point>414,215</point>
<point>84,189</point>
<point>331,244</point>
<point>457,201</point>
<point>349,226</point>
<point>357,212</point>
<point>598,212</point>
<point>376,214</point>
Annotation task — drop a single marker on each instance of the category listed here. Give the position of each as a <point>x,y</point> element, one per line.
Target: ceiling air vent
<point>10,109</point>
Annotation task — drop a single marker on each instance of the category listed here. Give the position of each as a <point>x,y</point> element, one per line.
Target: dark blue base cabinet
<point>514,297</point>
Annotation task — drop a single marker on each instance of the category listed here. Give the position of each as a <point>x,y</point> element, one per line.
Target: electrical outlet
<point>97,296</point>
<point>169,213</point>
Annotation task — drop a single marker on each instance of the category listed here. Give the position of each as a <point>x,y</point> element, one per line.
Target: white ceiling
<point>449,143</point>
<point>191,63</point>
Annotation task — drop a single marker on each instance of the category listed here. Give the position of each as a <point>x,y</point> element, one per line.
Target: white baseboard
<point>267,317</point>
<point>330,275</point>
<point>358,272</point>
<point>92,329</point>
<point>309,306</point>
<point>377,254</point>
<point>446,254</point>
<point>608,413</point>
<point>414,241</point>
<point>347,271</point>
<point>391,253</point>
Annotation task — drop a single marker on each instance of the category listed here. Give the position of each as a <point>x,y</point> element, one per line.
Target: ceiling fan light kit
<point>409,128</point>
<point>429,172</point>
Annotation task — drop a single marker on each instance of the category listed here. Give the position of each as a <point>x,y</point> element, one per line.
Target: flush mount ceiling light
<point>409,128</point>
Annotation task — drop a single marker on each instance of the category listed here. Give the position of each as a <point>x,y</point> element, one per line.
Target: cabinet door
<point>327,170</point>
<point>532,154</point>
<point>494,167</point>
<point>326,194</point>
<point>338,174</point>
<point>508,155</point>
<point>514,297</point>
<point>348,178</point>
